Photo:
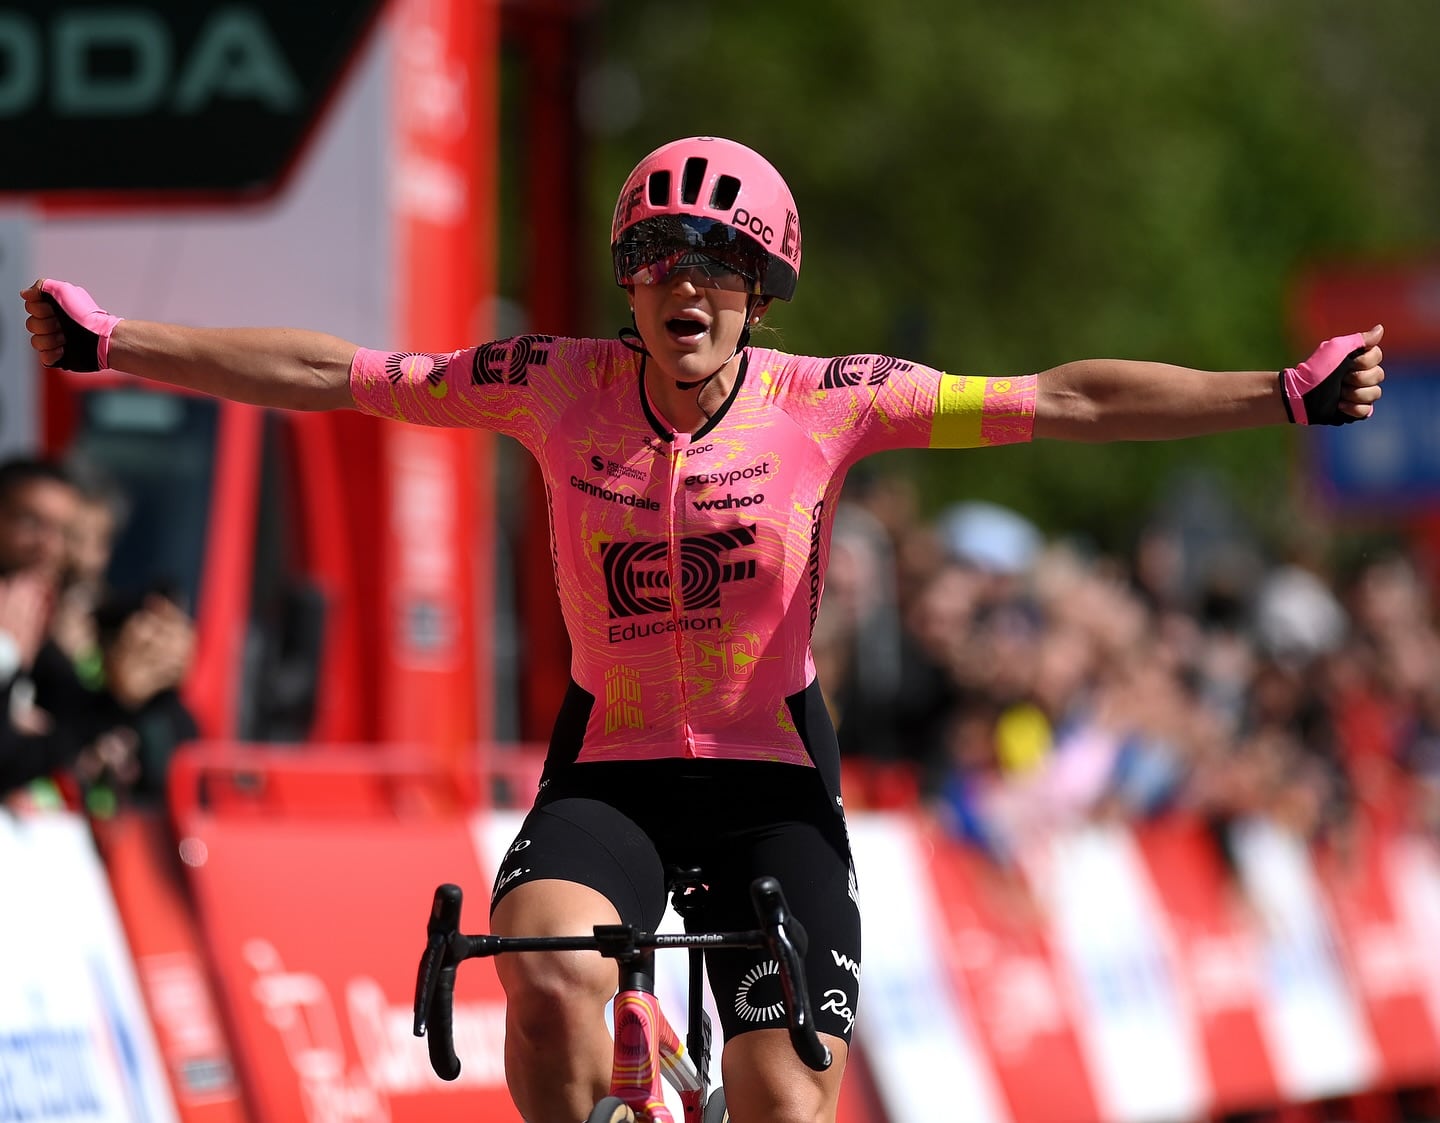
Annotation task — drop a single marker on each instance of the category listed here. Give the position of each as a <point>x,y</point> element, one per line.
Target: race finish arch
<point>322,165</point>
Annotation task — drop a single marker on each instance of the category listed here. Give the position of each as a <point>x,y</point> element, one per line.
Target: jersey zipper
<point>673,547</point>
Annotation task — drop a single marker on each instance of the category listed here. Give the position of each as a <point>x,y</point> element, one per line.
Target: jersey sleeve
<point>518,386</point>
<point>861,404</point>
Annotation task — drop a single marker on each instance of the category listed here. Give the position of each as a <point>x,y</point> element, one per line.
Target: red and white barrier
<point>1313,1018</point>
<point>1113,976</point>
<point>920,1041</point>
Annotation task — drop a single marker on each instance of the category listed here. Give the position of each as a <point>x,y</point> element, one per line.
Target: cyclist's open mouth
<point>687,329</point>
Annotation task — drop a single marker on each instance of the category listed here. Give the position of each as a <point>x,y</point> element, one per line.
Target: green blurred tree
<point>1003,185</point>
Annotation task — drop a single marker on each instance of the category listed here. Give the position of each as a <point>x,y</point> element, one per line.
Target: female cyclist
<point>692,477</point>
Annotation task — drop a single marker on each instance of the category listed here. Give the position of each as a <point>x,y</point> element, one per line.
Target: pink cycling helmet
<point>717,197</point>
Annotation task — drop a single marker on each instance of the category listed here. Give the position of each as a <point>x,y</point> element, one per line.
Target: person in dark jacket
<point>50,720</point>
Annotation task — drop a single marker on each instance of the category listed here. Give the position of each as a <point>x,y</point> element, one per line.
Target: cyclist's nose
<point>686,280</point>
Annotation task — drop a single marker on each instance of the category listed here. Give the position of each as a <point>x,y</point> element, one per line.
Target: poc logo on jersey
<point>853,370</point>
<point>637,572</point>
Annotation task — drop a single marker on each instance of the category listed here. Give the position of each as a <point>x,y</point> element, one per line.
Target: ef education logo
<point>853,370</point>
<point>637,573</point>
<point>507,362</point>
<point>629,203</point>
<point>790,243</point>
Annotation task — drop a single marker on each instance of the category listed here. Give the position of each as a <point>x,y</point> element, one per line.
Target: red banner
<point>315,929</point>
<point>437,544</point>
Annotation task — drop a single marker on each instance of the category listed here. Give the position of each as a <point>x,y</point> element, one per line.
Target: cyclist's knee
<point>765,1080</point>
<point>550,993</point>
<point>793,1103</point>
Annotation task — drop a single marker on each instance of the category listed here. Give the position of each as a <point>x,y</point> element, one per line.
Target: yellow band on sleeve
<point>958,408</point>
<point>971,412</point>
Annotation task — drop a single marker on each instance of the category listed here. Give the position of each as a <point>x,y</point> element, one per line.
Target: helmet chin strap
<point>632,339</point>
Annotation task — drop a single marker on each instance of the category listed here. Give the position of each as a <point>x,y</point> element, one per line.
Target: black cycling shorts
<point>617,827</point>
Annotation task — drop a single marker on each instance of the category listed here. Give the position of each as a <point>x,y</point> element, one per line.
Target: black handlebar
<point>787,941</point>
<point>446,948</point>
<point>435,983</point>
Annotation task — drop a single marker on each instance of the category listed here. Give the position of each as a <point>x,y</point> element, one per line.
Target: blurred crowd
<point>90,709</point>
<point>1021,684</point>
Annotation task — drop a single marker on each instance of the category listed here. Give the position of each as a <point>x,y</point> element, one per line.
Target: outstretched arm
<point>280,367</point>
<point>1117,400</point>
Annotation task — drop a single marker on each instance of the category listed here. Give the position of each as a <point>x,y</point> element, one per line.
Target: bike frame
<point>648,1050</point>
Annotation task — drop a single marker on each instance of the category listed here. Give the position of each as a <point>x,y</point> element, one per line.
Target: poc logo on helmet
<point>753,225</point>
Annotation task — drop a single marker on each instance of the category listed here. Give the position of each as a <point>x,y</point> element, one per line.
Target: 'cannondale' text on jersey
<point>690,567</point>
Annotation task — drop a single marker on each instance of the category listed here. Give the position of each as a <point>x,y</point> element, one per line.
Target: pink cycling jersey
<point>690,567</point>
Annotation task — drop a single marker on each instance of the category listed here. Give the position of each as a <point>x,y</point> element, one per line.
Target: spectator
<point>99,515</point>
<point>50,720</point>
<point>37,505</point>
<point>135,645</point>
<point>145,642</point>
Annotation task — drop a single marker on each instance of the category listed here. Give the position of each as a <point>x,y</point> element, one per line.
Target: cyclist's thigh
<point>812,862</point>
<point>588,843</point>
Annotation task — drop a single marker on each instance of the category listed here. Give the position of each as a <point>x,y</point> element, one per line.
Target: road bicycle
<point>647,1049</point>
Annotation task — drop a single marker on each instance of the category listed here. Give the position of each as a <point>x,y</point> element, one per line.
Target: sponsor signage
<point>315,928</point>
<point>166,95</point>
<point>75,1042</point>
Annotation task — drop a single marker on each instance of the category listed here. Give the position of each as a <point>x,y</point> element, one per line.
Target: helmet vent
<point>659,189</point>
<point>691,179</point>
<point>727,188</point>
